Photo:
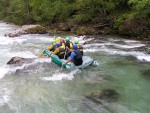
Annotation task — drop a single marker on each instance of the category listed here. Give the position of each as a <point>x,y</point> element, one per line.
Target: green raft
<point>86,61</point>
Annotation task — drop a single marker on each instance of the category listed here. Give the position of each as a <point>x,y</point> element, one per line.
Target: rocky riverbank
<point>131,29</point>
<point>27,29</point>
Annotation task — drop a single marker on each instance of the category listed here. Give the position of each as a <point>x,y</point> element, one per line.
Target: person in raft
<point>60,51</point>
<point>52,48</point>
<point>75,57</point>
<point>78,46</point>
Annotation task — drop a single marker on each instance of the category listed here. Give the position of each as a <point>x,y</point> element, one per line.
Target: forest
<point>124,17</point>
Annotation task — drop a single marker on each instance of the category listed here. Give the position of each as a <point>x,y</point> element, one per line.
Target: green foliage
<point>141,8</point>
<point>79,11</point>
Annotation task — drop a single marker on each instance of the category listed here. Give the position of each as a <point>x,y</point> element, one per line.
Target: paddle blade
<point>40,55</point>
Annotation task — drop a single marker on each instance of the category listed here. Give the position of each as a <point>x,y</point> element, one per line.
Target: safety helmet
<point>67,39</point>
<point>58,40</point>
<point>76,41</point>
<point>53,41</point>
<point>59,37</point>
<point>62,41</point>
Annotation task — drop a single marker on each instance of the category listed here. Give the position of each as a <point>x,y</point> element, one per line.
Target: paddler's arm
<point>69,60</point>
<point>49,48</point>
<point>56,51</point>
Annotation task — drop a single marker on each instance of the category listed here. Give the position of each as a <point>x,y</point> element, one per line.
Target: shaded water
<point>41,87</point>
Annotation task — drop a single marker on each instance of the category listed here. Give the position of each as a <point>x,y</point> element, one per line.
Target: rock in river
<point>19,61</point>
<point>27,29</point>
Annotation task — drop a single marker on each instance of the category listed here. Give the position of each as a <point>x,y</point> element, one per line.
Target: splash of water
<point>58,76</point>
<point>9,70</point>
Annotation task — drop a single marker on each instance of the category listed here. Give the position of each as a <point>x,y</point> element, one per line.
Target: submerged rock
<point>19,61</point>
<point>27,29</point>
<point>146,73</point>
<point>105,94</point>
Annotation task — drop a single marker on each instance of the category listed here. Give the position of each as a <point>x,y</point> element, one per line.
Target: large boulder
<point>64,26</point>
<point>27,29</point>
<point>19,61</point>
<point>85,30</point>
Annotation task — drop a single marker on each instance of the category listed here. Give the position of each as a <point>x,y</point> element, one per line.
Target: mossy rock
<point>63,26</point>
<point>36,30</point>
<point>83,30</point>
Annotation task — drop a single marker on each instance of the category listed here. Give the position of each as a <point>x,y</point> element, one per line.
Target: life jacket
<point>61,52</point>
<point>78,58</point>
<point>78,54</point>
<point>69,44</point>
<point>78,47</point>
<point>54,47</point>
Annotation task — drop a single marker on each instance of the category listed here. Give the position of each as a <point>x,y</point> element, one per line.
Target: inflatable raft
<point>86,61</point>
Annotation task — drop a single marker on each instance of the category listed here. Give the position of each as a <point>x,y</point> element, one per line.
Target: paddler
<point>58,40</point>
<point>68,43</point>
<point>77,46</point>
<point>75,57</point>
<point>60,51</point>
<point>52,47</point>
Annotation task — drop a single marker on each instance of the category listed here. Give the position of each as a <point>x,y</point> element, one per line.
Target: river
<point>42,87</point>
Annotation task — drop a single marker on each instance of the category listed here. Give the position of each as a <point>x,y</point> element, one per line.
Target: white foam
<point>7,70</point>
<point>24,54</point>
<point>3,71</point>
<point>4,96</point>
<point>11,41</point>
<point>130,41</point>
<point>144,58</point>
<point>139,55</point>
<point>117,45</point>
<point>42,60</point>
<point>129,46</point>
<point>61,76</point>
<point>86,40</point>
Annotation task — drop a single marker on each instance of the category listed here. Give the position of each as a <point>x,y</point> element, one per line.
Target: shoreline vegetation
<point>128,18</point>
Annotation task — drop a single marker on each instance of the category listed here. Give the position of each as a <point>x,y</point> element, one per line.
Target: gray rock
<point>27,29</point>
<point>19,61</point>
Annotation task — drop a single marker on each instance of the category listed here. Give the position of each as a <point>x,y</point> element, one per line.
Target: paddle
<point>64,58</point>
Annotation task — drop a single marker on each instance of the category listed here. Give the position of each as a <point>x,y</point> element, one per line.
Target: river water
<point>42,87</point>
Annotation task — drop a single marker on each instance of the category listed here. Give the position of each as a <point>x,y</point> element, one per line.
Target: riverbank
<point>129,29</point>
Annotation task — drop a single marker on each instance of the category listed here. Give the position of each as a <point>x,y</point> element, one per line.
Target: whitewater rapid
<point>39,42</point>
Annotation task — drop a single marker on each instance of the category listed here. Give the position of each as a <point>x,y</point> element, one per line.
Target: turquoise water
<point>42,87</point>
